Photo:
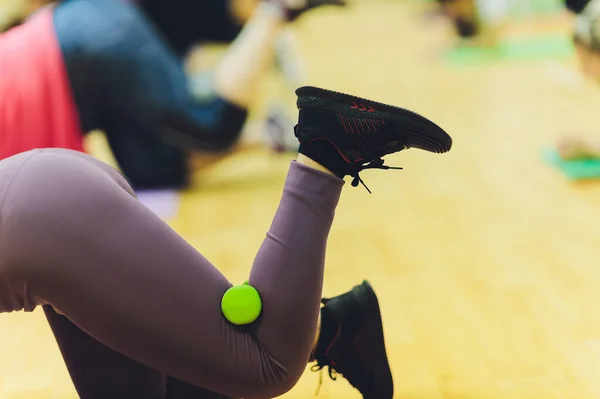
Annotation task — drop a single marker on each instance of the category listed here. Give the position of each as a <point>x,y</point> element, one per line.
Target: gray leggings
<point>73,236</point>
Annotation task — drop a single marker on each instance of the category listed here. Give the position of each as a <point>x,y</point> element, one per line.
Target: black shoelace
<point>321,363</point>
<point>375,164</point>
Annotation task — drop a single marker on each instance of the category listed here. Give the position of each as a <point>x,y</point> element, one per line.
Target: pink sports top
<point>37,109</point>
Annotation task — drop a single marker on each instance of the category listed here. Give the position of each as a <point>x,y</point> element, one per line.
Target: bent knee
<point>271,390</point>
<point>217,128</point>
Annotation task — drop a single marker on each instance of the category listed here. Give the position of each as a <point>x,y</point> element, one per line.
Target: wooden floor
<point>486,260</point>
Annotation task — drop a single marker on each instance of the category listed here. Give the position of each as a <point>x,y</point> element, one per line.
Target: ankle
<point>305,160</point>
<point>328,329</point>
<point>323,156</point>
<point>316,340</point>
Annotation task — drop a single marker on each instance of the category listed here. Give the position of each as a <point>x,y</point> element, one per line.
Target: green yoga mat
<point>513,50</point>
<point>581,169</point>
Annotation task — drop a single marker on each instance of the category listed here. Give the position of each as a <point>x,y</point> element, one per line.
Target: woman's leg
<point>83,244</point>
<point>74,238</point>
<point>178,389</point>
<point>98,372</point>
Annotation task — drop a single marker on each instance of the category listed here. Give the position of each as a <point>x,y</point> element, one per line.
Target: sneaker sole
<point>368,304</point>
<point>414,129</point>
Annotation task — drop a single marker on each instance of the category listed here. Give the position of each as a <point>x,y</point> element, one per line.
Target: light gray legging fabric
<point>73,235</point>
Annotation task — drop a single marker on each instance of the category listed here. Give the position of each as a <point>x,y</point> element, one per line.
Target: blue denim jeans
<point>127,82</point>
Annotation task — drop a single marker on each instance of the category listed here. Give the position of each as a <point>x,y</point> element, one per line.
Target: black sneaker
<point>362,131</point>
<point>351,342</point>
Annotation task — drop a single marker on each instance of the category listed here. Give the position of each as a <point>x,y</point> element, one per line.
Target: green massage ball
<point>241,304</point>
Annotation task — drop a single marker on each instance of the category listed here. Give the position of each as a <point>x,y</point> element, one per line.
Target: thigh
<point>98,371</point>
<point>177,389</point>
<point>73,238</point>
<point>14,300</point>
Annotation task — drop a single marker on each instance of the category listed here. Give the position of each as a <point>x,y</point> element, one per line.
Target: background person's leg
<point>87,247</point>
<point>146,160</point>
<point>118,63</point>
<point>125,80</point>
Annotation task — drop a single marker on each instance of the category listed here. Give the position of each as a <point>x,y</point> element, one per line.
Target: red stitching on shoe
<point>362,107</point>
<point>337,335</point>
<point>349,123</point>
<point>344,124</point>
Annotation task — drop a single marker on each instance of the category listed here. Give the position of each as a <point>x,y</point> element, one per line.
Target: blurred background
<point>485,259</point>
